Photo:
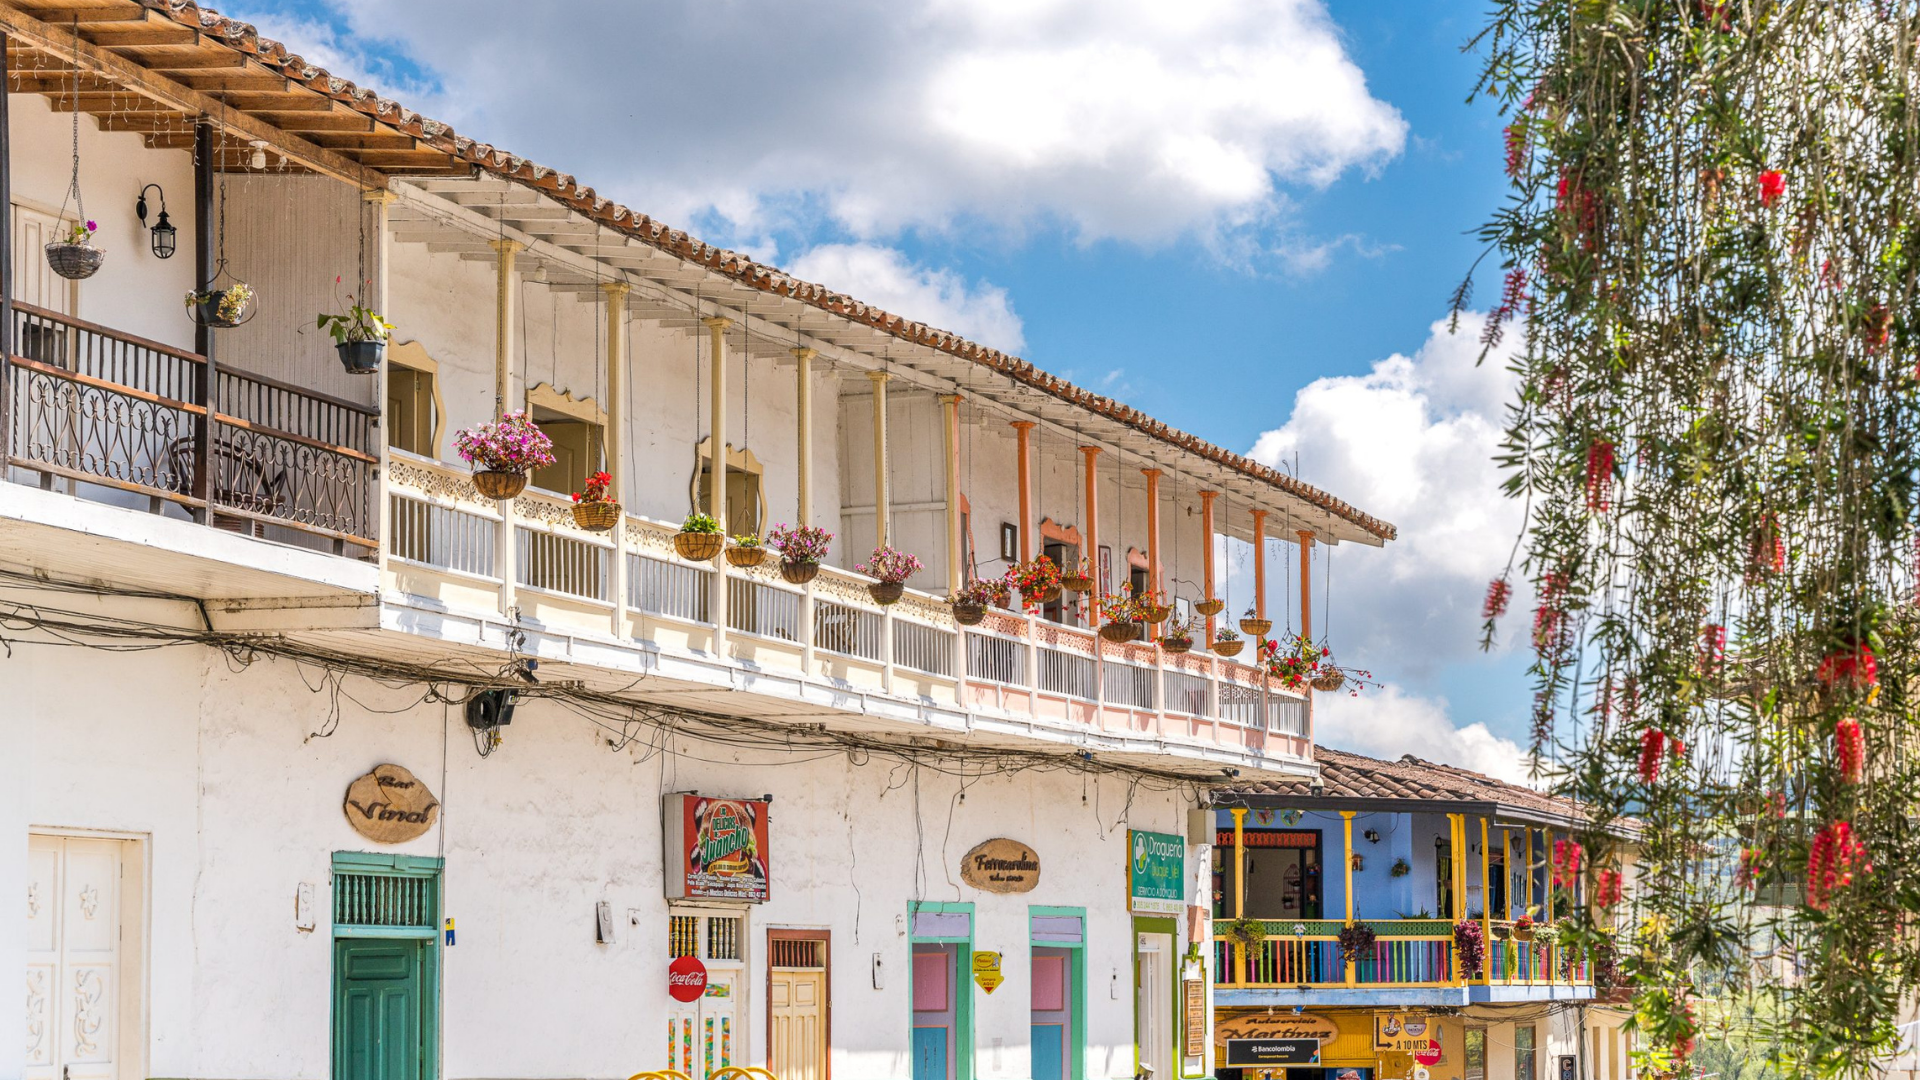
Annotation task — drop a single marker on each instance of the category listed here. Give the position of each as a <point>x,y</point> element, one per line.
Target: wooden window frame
<point>413,356</point>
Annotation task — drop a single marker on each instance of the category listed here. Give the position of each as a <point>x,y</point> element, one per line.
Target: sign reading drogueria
<point>1156,873</point>
<point>389,805</point>
<point>1001,866</point>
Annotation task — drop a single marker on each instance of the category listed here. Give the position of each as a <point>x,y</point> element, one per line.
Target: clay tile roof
<point>244,38</point>
<point>1347,776</point>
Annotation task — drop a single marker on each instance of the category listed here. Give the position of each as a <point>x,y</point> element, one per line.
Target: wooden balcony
<point>105,412</point>
<point>1407,953</point>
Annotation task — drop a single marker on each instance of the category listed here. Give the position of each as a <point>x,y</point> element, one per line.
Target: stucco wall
<point>234,781</point>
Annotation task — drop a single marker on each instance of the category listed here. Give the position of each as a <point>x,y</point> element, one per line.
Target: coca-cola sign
<point>686,978</point>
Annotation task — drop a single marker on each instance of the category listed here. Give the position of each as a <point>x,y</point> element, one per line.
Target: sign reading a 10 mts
<point>1273,1052</point>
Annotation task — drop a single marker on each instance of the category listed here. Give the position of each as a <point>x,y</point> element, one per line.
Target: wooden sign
<point>1281,1027</point>
<point>1001,866</point>
<point>986,971</point>
<point>390,806</point>
<point>1196,1019</point>
<point>1401,1032</point>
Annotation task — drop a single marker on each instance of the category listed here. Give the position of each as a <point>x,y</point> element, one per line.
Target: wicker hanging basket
<point>698,546</point>
<point>596,516</point>
<point>969,614</point>
<point>1120,632</point>
<point>1176,645</point>
<point>75,262</point>
<point>1044,596</point>
<point>1228,648</point>
<point>1158,613</point>
<point>1210,608</point>
<point>1330,680</point>
<point>887,592</point>
<point>1077,583</point>
<point>499,483</point>
<point>222,309</point>
<point>746,556</point>
<point>1256,627</point>
<point>798,573</point>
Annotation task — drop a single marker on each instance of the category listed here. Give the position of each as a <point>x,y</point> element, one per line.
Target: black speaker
<point>490,709</point>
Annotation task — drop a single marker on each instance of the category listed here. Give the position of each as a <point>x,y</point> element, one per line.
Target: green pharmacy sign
<point>1156,873</point>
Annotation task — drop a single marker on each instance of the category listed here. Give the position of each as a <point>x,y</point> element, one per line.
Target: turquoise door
<point>1049,1040</point>
<point>380,1009</point>
<point>929,1053</point>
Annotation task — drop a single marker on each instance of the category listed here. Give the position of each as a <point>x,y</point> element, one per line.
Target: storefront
<point>1334,1044</point>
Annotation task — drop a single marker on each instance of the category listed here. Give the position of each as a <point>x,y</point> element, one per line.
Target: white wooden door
<point>74,968</point>
<point>1153,1005</point>
<point>710,1032</point>
<point>797,1042</point>
<point>34,282</point>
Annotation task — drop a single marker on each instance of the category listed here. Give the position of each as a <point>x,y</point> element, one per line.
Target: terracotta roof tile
<point>1346,775</point>
<point>243,37</point>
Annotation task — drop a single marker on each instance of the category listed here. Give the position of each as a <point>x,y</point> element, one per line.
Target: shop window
<point>1524,1054</point>
<point>683,936</point>
<point>1476,1068</point>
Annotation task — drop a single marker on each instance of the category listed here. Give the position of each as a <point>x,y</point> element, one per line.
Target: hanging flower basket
<point>746,555</point>
<point>499,483</point>
<point>968,613</point>
<point>1228,646</point>
<point>361,357</point>
<point>1076,583</point>
<point>1329,680</point>
<point>592,510</point>
<point>75,262</point>
<point>1256,628</point>
<point>1120,632</point>
<point>798,572</point>
<point>1038,581</point>
<point>1176,644</point>
<point>971,602</point>
<point>893,568</point>
<point>359,336</point>
<point>222,309</point>
<point>885,593</point>
<point>1210,608</point>
<point>698,546</point>
<point>1156,613</point>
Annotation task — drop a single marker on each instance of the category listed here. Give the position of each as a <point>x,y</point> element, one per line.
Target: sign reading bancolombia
<point>1001,866</point>
<point>389,805</point>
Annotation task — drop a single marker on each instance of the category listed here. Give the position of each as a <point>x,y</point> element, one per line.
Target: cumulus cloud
<point>1130,119</point>
<point>1412,441</point>
<point>941,298</point>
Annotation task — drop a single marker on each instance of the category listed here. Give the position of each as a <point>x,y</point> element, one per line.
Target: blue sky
<point>1277,194</point>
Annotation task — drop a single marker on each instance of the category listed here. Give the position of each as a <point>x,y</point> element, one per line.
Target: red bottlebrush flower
<point>1829,276</point>
<point>1850,749</point>
<point>1718,14</point>
<point>1713,648</point>
<point>1748,876</point>
<point>1772,185</point>
<point>1777,804</point>
<point>1566,863</point>
<point>1600,476</point>
<point>1855,669</point>
<point>1768,552</point>
<point>1516,136</point>
<point>1879,327</point>
<point>1499,591</point>
<point>1832,862</point>
<point>1653,750</point>
<point>1676,749</point>
<point>1580,206</point>
<point>1606,888</point>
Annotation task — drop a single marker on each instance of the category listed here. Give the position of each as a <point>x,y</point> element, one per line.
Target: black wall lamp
<point>163,230</point>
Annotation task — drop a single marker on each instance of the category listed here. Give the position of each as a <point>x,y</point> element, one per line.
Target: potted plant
<point>699,538</point>
<point>1226,642</point>
<point>1399,868</point>
<point>221,308</point>
<point>1524,928</point>
<point>1121,614</point>
<point>1154,607</point>
<point>593,510</point>
<point>1038,581</point>
<point>970,604</point>
<point>1210,607</point>
<point>1252,625</point>
<point>1293,661</point>
<point>73,255</point>
<point>359,336</point>
<point>1177,638</point>
<point>1500,930</point>
<point>1356,943</point>
<point>747,550</point>
<point>1245,931</point>
<point>1329,679</point>
<point>503,452</point>
<point>1471,946</point>
<point>801,548</point>
<point>892,567</point>
<point>1079,579</point>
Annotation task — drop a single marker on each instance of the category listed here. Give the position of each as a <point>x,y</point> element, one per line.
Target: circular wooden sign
<point>1001,866</point>
<point>390,805</point>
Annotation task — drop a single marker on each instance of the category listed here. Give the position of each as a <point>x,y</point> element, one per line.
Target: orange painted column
<point>1025,430</point>
<point>1206,554</point>
<point>1153,536</point>
<point>1090,551</point>
<point>1259,566</point>
<point>1306,583</point>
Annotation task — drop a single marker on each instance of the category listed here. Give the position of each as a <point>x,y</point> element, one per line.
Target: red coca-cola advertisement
<point>686,978</point>
<point>1429,1056</point>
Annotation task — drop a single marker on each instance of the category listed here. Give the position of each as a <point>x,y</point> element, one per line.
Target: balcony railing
<point>1405,953</point>
<point>446,544</point>
<point>95,406</point>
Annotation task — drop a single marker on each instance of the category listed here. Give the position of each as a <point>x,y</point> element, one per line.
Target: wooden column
<point>1091,531</point>
<point>504,364</point>
<point>1486,900</point>
<point>1506,870</point>
<point>374,294</point>
<point>1239,889</point>
<point>803,394</point>
<point>1529,870</point>
<point>1206,554</point>
<point>1346,826</point>
<point>6,264</point>
<point>1259,568</point>
<point>717,475</point>
<point>618,450</point>
<point>1153,542</point>
<point>203,269</point>
<point>956,542</point>
<point>1024,436</point>
<point>882,500</point>
<point>1306,583</point>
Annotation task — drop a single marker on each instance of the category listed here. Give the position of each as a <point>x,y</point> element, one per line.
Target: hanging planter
<point>502,453</point>
<point>1177,643</point>
<point>222,308</point>
<point>967,613</point>
<point>1079,579</point>
<point>1120,632</point>
<point>699,538</point>
<point>886,593</point>
<point>1227,643</point>
<point>1329,680</point>
<point>801,549</point>
<point>797,572</point>
<point>1253,626</point>
<point>73,256</point>
<point>1038,581</point>
<point>359,337</point>
<point>1210,608</point>
<point>592,510</point>
<point>893,568</point>
<point>970,604</point>
<point>1154,609</point>
<point>747,551</point>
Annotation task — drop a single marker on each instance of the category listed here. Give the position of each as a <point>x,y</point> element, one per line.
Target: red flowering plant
<point>596,489</point>
<point>1294,660</point>
<point>1121,607</point>
<point>512,443</point>
<point>1038,581</point>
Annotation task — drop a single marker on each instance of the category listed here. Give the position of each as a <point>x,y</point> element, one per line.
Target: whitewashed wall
<point>239,802</point>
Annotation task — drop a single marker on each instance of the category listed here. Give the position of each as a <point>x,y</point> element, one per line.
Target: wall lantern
<point>1372,835</point>
<point>163,230</point>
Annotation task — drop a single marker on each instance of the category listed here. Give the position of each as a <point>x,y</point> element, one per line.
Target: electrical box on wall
<point>603,923</point>
<point>1569,1068</point>
<point>879,972</point>
<point>1199,826</point>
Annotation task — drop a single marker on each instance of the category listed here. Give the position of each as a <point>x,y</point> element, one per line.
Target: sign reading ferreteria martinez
<point>389,805</point>
<point>1156,873</point>
<point>715,848</point>
<point>1001,866</point>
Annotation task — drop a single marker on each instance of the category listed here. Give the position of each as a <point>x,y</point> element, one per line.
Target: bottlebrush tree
<point>1712,245</point>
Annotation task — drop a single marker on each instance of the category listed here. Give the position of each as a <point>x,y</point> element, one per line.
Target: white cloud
<point>1412,441</point>
<point>940,298</point>
<point>1129,119</point>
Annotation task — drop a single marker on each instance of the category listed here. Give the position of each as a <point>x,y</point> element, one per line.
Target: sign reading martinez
<point>1156,873</point>
<point>716,849</point>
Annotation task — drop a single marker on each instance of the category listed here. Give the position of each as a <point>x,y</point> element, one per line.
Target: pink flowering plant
<point>891,564</point>
<point>800,543</point>
<point>80,233</point>
<point>510,444</point>
<point>986,592</point>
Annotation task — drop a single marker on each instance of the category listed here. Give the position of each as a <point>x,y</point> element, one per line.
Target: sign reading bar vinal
<point>1156,873</point>
<point>716,849</point>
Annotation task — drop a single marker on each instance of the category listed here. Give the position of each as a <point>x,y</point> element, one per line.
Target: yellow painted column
<point>1486,899</point>
<point>1091,530</point>
<point>617,448</point>
<point>1239,890</point>
<point>1346,829</point>
<point>1546,838</point>
<point>803,405</point>
<point>717,477</point>
<point>1306,583</point>
<point>956,543</point>
<point>882,496</point>
<point>1455,834</point>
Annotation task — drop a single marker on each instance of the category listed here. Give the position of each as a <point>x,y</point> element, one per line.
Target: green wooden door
<point>380,1009</point>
